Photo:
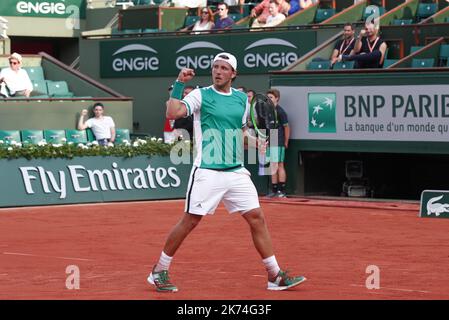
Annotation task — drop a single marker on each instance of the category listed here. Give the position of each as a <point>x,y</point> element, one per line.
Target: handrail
<point>424,21</point>
<point>363,2</point>
<point>80,75</point>
<point>414,54</point>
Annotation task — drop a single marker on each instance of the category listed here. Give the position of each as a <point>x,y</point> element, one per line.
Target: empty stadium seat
<point>58,89</point>
<point>35,73</point>
<point>389,62</point>
<point>444,55</point>
<point>121,135</point>
<point>423,63</point>
<point>323,14</point>
<point>90,135</point>
<point>344,65</point>
<point>54,136</point>
<point>8,136</point>
<point>319,65</point>
<point>425,10</point>
<point>401,22</point>
<point>76,136</point>
<point>236,16</point>
<point>190,20</point>
<point>40,89</point>
<point>415,48</point>
<point>373,9</point>
<point>32,136</point>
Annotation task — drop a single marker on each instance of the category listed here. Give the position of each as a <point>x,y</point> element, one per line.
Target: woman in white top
<point>206,21</point>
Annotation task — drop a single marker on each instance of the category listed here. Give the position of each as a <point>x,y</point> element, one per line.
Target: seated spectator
<point>297,5</point>
<point>102,126</point>
<point>15,80</point>
<point>261,12</point>
<point>345,45</point>
<point>206,21</point>
<point>275,17</point>
<point>369,49</point>
<point>223,21</point>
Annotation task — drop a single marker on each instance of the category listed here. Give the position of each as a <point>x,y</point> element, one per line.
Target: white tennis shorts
<point>207,188</point>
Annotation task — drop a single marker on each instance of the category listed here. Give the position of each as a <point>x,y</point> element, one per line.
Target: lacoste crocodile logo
<point>435,207</point>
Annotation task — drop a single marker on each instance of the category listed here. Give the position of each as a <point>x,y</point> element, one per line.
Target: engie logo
<point>322,111</point>
<point>41,7</point>
<point>198,61</point>
<point>274,56</point>
<point>135,57</point>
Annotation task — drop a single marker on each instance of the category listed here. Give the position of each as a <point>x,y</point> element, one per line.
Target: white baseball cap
<point>227,57</point>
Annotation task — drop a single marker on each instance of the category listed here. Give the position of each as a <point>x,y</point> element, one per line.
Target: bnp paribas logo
<point>322,112</point>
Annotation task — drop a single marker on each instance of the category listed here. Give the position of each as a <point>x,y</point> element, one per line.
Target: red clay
<point>115,246</point>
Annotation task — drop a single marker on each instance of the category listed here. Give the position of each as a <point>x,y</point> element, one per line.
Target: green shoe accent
<point>284,282</point>
<point>161,281</point>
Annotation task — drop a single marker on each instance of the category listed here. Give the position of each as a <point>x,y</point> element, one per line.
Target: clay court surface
<point>330,242</point>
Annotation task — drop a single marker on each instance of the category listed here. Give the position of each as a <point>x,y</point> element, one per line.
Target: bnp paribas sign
<point>162,57</point>
<point>43,8</point>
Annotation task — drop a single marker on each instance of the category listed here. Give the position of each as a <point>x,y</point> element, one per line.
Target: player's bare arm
<point>175,108</point>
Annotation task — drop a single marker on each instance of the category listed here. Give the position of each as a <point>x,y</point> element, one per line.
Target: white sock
<point>272,267</point>
<point>164,262</point>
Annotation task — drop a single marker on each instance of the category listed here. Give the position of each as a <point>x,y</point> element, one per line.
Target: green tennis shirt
<point>218,119</point>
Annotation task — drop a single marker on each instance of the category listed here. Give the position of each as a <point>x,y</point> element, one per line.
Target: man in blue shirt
<point>223,22</point>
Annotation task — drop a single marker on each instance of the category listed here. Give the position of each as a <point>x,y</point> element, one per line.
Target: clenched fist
<point>84,112</point>
<point>186,75</point>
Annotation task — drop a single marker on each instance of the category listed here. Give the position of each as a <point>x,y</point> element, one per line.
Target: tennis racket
<point>263,115</point>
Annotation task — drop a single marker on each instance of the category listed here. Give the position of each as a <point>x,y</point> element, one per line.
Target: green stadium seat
<point>446,19</point>
<point>121,135</point>
<point>236,16</point>
<point>40,88</point>
<point>401,22</point>
<point>344,65</point>
<point>323,14</point>
<point>415,48</point>
<point>389,62</point>
<point>190,20</point>
<point>423,63</point>
<point>319,65</point>
<point>90,135</point>
<point>426,10</point>
<point>372,9</point>
<point>76,136</point>
<point>54,136</point>
<point>35,73</point>
<point>32,136</point>
<point>148,30</point>
<point>8,136</point>
<point>143,2</point>
<point>58,89</point>
<point>444,54</point>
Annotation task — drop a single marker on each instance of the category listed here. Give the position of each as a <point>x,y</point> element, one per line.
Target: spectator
<point>241,88</point>
<point>15,80</point>
<point>369,49</point>
<point>206,21</point>
<point>276,153</point>
<point>184,123</point>
<point>345,45</point>
<point>102,126</point>
<point>223,21</point>
<point>275,17</point>
<point>261,12</point>
<point>297,5</point>
<point>250,93</point>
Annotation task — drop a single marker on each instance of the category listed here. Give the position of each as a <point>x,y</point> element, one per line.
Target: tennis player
<point>218,173</point>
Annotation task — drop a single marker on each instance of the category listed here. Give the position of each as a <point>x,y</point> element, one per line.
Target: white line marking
<point>41,256</point>
<point>394,289</point>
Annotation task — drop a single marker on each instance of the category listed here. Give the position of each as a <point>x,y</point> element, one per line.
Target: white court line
<point>41,256</point>
<point>125,203</point>
<point>394,289</point>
